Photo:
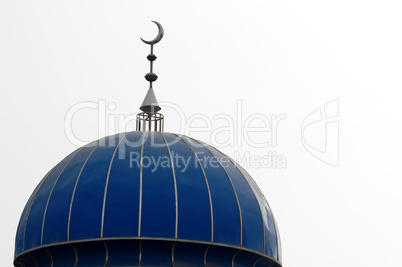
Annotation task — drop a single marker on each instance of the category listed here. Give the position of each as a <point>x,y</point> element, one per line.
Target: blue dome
<point>147,190</point>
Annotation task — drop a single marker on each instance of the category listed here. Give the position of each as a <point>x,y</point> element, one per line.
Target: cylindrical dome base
<point>135,252</point>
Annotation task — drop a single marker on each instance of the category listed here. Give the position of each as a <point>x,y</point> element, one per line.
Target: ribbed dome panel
<point>148,186</point>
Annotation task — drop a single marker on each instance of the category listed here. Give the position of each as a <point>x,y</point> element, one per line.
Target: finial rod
<point>151,76</point>
<point>150,119</point>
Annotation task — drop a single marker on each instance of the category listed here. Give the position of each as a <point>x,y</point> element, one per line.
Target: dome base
<point>135,252</point>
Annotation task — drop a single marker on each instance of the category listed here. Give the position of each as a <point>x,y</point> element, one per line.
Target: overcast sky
<point>337,195</point>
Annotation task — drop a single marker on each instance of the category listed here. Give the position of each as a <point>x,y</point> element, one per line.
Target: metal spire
<point>150,119</point>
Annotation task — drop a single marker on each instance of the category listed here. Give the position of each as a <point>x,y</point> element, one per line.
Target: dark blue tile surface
<point>160,200</point>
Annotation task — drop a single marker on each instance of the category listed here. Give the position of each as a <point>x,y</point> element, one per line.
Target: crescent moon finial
<point>158,37</point>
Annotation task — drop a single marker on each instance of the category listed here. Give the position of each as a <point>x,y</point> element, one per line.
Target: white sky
<point>278,57</point>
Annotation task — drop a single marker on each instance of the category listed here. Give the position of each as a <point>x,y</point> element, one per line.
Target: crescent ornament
<point>158,37</point>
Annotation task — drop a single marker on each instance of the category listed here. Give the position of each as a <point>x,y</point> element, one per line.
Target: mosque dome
<point>147,199</point>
